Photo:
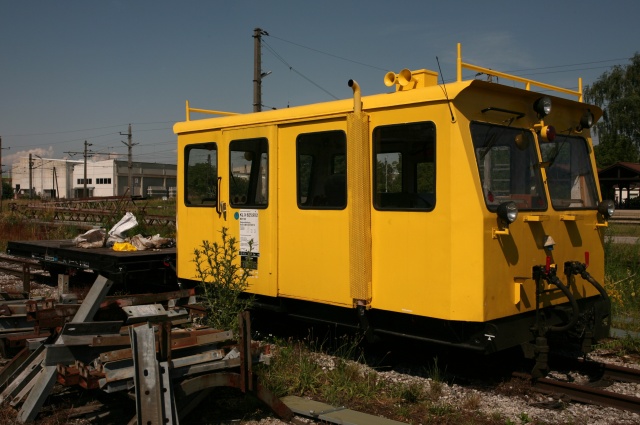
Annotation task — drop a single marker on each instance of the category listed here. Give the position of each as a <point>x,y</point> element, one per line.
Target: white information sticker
<point>249,233</point>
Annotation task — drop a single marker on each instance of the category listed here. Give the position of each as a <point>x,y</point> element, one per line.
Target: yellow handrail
<point>206,111</point>
<point>528,83</point>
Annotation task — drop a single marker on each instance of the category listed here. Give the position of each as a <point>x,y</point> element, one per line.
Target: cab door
<point>197,199</point>
<point>313,223</point>
<point>248,199</point>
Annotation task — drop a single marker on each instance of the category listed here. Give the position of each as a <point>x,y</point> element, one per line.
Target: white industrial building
<point>60,179</point>
<point>49,178</point>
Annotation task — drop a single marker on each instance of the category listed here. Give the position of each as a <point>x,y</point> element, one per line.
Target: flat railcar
<point>467,214</point>
<point>137,270</point>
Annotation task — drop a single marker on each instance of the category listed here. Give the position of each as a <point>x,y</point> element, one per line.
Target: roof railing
<point>206,111</point>
<point>528,83</point>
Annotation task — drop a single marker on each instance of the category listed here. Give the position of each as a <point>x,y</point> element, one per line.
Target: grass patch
<point>622,282</point>
<point>298,369</point>
<point>623,230</point>
<point>627,346</point>
<point>14,227</point>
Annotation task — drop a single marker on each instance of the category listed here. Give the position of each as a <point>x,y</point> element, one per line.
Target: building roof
<point>620,174</point>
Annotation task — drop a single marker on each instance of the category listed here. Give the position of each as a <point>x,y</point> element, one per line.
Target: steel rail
<point>598,370</point>
<point>621,373</point>
<point>583,393</point>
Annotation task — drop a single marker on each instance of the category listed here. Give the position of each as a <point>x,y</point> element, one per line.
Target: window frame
<point>214,199</point>
<point>407,171</point>
<point>256,167</point>
<point>331,162</point>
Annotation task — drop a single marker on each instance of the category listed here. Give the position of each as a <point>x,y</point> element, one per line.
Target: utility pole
<point>257,68</point>
<point>86,154</point>
<point>1,179</point>
<point>30,177</point>
<point>130,145</point>
<point>86,144</point>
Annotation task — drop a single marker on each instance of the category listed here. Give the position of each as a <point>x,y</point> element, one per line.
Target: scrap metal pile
<point>139,344</point>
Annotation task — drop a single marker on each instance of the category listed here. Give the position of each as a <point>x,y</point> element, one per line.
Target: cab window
<point>249,173</point>
<point>508,166</point>
<point>404,170</point>
<point>201,175</point>
<point>322,170</point>
<point>569,173</point>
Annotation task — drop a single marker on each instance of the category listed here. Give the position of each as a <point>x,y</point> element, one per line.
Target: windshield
<point>569,173</point>
<point>508,166</point>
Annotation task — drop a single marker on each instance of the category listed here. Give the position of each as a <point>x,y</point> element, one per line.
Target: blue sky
<point>77,70</point>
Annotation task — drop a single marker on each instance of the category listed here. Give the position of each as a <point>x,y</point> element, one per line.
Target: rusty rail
<point>23,269</point>
<point>583,393</point>
<point>94,211</point>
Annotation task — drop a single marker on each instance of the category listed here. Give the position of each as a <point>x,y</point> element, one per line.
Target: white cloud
<point>14,157</point>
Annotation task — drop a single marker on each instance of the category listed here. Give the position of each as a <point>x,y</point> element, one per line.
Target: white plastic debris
<point>116,233</point>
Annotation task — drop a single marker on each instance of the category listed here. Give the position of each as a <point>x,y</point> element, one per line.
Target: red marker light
<point>547,267</point>
<point>550,133</point>
<point>586,258</point>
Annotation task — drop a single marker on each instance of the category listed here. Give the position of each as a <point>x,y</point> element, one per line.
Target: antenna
<point>444,88</point>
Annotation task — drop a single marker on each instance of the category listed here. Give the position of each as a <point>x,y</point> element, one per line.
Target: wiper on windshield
<point>557,148</point>
<point>488,145</point>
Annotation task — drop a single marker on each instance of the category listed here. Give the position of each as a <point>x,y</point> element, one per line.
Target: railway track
<point>591,392</point>
<point>22,268</point>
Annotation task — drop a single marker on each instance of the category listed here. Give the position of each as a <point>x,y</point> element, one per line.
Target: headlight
<point>606,208</point>
<point>542,106</point>
<point>586,121</point>
<point>508,212</point>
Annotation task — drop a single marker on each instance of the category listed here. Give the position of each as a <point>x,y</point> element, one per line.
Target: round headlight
<point>606,208</point>
<point>586,121</point>
<point>508,211</point>
<point>542,106</point>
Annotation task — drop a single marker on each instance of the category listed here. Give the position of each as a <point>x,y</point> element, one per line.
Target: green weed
<point>223,280</point>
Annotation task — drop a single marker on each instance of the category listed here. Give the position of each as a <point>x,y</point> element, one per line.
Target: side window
<point>404,167</point>
<point>322,170</point>
<point>201,175</point>
<point>249,173</point>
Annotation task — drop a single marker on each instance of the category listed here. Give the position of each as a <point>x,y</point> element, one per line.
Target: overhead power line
<point>93,129</point>
<point>329,54</point>
<point>291,68</point>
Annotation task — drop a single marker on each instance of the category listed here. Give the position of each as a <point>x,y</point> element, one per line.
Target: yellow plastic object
<point>124,246</point>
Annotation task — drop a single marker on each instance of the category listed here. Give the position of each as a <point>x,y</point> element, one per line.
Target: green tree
<point>7,190</point>
<point>389,176</point>
<point>202,180</point>
<point>617,93</point>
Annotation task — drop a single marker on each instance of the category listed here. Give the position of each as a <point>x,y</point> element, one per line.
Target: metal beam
<point>46,378</point>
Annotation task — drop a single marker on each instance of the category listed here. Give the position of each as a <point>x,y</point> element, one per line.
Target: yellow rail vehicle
<point>467,214</point>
